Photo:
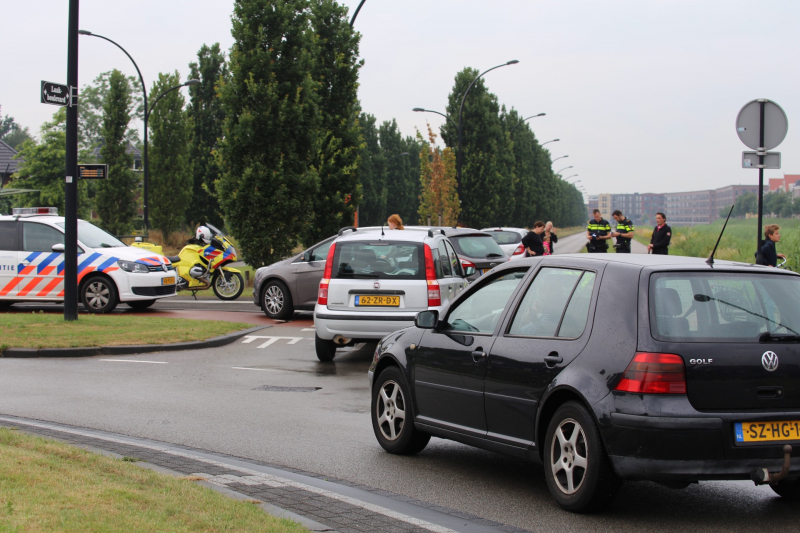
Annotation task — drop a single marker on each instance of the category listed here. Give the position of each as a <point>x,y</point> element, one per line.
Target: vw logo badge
<point>770,361</point>
<point>377,285</point>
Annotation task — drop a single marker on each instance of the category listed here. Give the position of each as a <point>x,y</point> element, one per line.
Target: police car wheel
<point>99,295</point>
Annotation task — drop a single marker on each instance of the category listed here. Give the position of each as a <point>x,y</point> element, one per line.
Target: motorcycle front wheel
<point>228,285</point>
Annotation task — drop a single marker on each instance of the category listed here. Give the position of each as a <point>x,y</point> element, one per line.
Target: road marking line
<point>270,340</point>
<point>259,369</point>
<point>134,361</point>
<point>309,329</point>
<point>252,475</point>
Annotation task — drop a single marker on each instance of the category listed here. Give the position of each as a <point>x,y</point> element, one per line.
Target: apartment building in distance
<point>683,208</point>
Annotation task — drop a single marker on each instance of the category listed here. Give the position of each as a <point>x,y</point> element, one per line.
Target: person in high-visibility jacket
<point>623,232</point>
<point>598,231</point>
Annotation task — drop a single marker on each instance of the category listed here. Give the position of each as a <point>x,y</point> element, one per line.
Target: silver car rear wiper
<point>768,336</point>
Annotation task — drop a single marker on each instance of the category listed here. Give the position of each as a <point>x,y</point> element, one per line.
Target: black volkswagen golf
<point>612,368</point>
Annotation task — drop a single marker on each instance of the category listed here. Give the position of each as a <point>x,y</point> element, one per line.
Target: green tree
<point>115,201</point>
<point>11,132</point>
<point>43,169</point>
<point>487,179</point>
<point>91,115</point>
<point>207,116</point>
<point>170,171</point>
<point>270,134</point>
<point>402,171</point>
<point>336,161</point>
<point>372,175</point>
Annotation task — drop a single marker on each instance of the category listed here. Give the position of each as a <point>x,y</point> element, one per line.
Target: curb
<point>129,349</point>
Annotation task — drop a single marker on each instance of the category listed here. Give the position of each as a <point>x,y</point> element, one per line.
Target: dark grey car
<point>477,249</point>
<point>291,285</point>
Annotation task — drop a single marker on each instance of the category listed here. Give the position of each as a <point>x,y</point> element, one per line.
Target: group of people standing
<point>540,240</point>
<point>599,232</point>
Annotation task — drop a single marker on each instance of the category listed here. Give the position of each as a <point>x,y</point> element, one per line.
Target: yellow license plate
<point>485,270</point>
<point>377,301</point>
<point>767,431</point>
<point>168,281</point>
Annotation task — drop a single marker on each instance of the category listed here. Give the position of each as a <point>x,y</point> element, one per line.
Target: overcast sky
<point>642,93</point>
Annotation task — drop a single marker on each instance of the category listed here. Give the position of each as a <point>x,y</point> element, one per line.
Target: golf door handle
<point>552,359</point>
<point>478,356</point>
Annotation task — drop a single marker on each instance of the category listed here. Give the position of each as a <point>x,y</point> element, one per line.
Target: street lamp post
<point>571,176</point>
<point>160,96</point>
<point>460,125</point>
<point>563,169</point>
<point>557,158</point>
<point>355,14</point>
<point>548,142</point>
<point>144,93</point>
<point>523,120</point>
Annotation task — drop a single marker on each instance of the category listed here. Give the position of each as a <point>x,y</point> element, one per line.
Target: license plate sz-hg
<point>168,281</point>
<point>767,431</point>
<point>377,301</point>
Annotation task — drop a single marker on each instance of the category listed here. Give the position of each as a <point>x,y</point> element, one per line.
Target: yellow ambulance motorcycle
<point>202,263</point>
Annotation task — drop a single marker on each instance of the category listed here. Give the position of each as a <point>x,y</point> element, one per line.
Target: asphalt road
<point>267,398</point>
<point>575,243</point>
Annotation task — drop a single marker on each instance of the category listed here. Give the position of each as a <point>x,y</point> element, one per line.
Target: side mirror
<point>468,271</point>
<point>306,256</point>
<point>58,248</point>
<point>427,319</point>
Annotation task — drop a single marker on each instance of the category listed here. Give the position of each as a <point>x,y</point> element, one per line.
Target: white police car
<point>109,272</point>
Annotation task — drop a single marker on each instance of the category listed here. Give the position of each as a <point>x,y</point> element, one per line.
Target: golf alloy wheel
<point>569,457</point>
<point>391,410</point>
<point>97,295</point>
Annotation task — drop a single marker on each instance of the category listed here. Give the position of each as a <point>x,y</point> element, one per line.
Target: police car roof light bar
<point>34,211</point>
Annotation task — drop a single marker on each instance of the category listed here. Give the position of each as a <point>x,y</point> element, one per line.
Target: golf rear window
<point>379,260</point>
<point>723,307</point>
<point>476,245</point>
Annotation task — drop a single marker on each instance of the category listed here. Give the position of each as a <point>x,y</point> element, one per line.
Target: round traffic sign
<point>748,125</point>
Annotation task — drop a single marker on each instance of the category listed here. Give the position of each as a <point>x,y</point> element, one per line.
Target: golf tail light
<point>520,250</point>
<point>434,294</point>
<point>322,298</point>
<point>654,373</point>
<point>465,264</point>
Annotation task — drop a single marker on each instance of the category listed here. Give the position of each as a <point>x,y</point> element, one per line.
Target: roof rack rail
<point>347,228</point>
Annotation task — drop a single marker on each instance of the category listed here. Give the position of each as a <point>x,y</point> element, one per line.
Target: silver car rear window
<point>379,260</point>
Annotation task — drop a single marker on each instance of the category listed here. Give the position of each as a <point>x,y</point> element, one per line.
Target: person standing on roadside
<point>533,241</point>
<point>659,242</point>
<point>395,222</point>
<point>623,232</point>
<point>598,232</point>
<point>550,235</point>
<point>769,255</point>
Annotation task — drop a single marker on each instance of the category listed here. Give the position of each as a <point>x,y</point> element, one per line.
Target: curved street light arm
<point>421,110</point>
<point>548,142</point>
<point>557,158</point>
<point>565,168</point>
<point>353,20</point>
<point>188,82</point>
<point>523,120</point>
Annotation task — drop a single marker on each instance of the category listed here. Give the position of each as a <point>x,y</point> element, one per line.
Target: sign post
<point>55,94</point>
<point>71,176</point>
<point>761,125</point>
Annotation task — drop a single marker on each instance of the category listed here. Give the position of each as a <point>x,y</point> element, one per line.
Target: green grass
<point>50,486</point>
<point>40,330</point>
<point>738,242</point>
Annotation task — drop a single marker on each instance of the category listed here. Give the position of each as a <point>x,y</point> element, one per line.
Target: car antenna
<point>382,234</point>
<point>710,259</point>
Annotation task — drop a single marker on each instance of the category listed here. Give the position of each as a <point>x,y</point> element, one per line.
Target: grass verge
<point>40,330</point>
<point>51,486</point>
<point>572,230</point>
<point>738,242</point>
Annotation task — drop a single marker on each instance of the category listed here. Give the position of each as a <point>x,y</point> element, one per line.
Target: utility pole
<point>71,181</point>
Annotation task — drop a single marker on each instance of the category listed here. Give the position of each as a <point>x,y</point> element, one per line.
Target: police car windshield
<point>94,237</point>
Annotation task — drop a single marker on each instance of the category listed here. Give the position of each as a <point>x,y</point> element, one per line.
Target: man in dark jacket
<point>659,242</point>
